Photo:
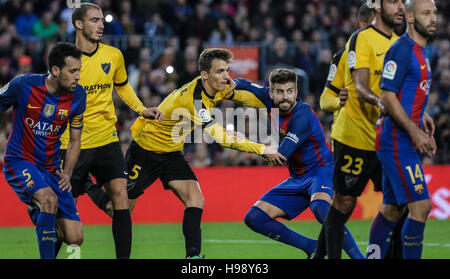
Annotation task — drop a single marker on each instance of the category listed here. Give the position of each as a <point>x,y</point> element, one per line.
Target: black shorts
<point>145,166</point>
<point>353,168</point>
<point>105,163</point>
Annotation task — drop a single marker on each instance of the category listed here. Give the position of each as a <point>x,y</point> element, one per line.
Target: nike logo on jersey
<point>32,107</point>
<point>422,67</point>
<point>324,187</point>
<point>379,54</point>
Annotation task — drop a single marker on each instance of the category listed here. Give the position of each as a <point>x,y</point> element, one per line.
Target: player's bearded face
<point>393,13</point>
<point>425,20</point>
<point>93,25</point>
<point>218,76</point>
<point>69,75</point>
<point>284,96</point>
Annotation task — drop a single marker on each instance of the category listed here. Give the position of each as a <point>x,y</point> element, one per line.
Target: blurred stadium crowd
<point>302,34</point>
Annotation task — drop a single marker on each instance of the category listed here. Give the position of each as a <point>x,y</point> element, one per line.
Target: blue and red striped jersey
<point>407,73</point>
<point>40,118</point>
<point>302,140</point>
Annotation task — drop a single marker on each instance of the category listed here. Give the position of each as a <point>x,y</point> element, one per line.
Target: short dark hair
<point>209,54</point>
<point>80,11</point>
<point>282,76</point>
<point>60,51</point>
<point>365,13</point>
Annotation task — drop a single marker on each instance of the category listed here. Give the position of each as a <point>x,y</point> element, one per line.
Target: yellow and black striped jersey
<point>356,121</point>
<point>101,71</point>
<point>183,110</point>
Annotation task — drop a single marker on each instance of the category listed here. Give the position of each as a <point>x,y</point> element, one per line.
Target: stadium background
<point>161,41</point>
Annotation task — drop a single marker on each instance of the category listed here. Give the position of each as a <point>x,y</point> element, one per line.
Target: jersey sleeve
<point>76,122</point>
<point>228,140</point>
<point>9,93</point>
<point>127,94</point>
<point>397,63</point>
<point>120,75</point>
<point>299,129</point>
<point>251,94</point>
<point>358,52</point>
<point>329,99</point>
<point>336,74</point>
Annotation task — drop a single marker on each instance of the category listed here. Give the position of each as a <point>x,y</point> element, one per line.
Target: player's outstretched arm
<point>424,142</point>
<point>127,94</point>
<point>233,140</point>
<point>273,156</point>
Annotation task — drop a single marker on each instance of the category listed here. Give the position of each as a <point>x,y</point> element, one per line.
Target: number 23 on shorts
<point>353,166</point>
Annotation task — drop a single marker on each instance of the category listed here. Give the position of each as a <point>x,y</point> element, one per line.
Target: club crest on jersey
<point>204,115</point>
<point>62,114</point>
<point>390,69</point>
<point>418,189</point>
<point>106,67</point>
<point>49,110</point>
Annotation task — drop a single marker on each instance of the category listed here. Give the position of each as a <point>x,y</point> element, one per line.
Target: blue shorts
<point>403,177</point>
<point>293,195</point>
<point>26,179</point>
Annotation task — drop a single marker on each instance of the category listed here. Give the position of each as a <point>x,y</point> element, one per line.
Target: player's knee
<point>345,204</point>
<point>193,197</point>
<point>392,212</point>
<point>320,209</point>
<point>421,211</point>
<point>49,202</point>
<point>195,200</point>
<point>255,216</point>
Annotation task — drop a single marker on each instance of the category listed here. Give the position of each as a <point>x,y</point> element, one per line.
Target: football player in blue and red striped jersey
<point>43,105</point>
<point>310,163</point>
<point>404,133</point>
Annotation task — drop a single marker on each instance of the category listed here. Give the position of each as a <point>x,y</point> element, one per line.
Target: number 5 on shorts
<point>135,172</point>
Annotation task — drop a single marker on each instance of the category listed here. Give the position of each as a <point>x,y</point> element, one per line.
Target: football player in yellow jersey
<point>156,148</point>
<point>355,160</point>
<point>103,69</point>
<point>334,94</point>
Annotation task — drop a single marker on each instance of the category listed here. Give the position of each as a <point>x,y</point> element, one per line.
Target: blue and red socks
<point>258,220</point>
<point>412,238</point>
<point>46,234</point>
<point>381,233</point>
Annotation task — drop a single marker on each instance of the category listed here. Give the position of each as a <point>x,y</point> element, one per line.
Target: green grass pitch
<point>220,241</point>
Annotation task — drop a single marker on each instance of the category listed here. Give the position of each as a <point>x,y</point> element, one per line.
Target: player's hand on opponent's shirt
<point>153,113</point>
<point>273,156</point>
<point>343,96</point>
<point>64,181</point>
